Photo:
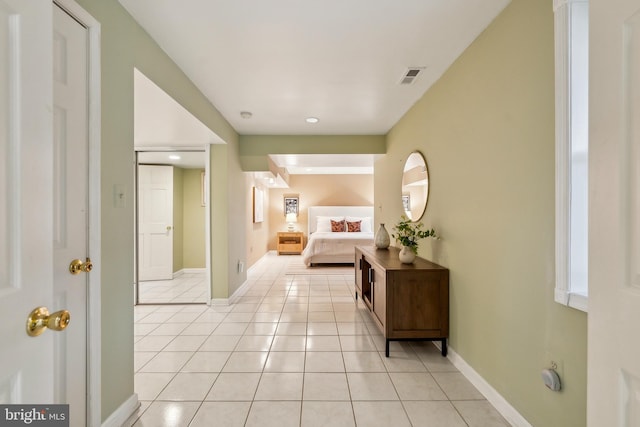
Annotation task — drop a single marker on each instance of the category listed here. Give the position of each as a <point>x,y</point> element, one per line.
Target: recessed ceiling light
<point>174,157</point>
<point>245,114</point>
<point>312,120</point>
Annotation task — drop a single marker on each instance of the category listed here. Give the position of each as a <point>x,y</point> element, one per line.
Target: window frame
<point>566,59</point>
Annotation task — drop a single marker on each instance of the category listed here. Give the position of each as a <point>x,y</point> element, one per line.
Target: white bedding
<point>332,247</point>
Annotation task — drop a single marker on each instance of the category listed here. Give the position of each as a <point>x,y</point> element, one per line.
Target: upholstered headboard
<point>315,211</point>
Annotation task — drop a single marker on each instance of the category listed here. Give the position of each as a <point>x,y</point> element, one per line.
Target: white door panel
<point>26,172</point>
<point>42,190</point>
<point>70,212</point>
<point>614,256</point>
<point>155,222</point>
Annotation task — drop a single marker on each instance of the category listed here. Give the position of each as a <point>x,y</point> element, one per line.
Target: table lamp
<point>291,218</point>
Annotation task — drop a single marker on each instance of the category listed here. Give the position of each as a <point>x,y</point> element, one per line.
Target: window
<point>572,145</point>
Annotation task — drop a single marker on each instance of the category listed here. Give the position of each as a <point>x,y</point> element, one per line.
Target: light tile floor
<point>293,351</point>
<point>186,288</point>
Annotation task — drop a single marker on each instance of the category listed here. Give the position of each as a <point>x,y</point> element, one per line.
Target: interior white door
<point>614,231</point>
<point>26,201</point>
<point>70,208</point>
<point>155,222</point>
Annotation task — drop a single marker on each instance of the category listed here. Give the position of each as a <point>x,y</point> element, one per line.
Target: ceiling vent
<point>411,75</point>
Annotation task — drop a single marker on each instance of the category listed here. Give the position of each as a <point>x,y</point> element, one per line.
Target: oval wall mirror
<point>415,186</point>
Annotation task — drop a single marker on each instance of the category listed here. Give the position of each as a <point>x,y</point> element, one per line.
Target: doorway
<point>171,223</point>
<point>162,129</point>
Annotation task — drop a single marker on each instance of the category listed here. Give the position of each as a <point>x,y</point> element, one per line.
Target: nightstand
<point>290,242</point>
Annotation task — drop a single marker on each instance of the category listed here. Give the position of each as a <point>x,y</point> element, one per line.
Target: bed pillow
<point>353,226</point>
<point>323,223</point>
<point>365,224</point>
<point>337,226</point>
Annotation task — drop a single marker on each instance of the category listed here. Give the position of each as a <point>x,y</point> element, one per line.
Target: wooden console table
<point>406,301</point>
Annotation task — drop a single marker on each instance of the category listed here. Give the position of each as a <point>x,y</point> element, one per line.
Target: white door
<point>26,172</point>
<point>613,391</point>
<point>70,208</point>
<point>155,222</point>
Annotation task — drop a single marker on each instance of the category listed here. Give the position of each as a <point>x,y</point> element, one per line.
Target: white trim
<point>262,259</point>
<point>239,292</point>
<point>119,417</point>
<point>188,271</point>
<point>578,301</point>
<point>233,298</point>
<point>207,219</point>
<point>563,11</point>
<point>491,394</point>
<point>94,310</point>
<point>557,4</point>
<point>243,288</point>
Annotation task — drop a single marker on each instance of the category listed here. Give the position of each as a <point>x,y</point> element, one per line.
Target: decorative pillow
<point>337,226</point>
<point>365,225</point>
<point>353,227</point>
<point>323,223</point>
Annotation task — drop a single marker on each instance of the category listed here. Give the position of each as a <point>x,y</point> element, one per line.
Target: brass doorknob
<point>40,319</point>
<point>77,266</point>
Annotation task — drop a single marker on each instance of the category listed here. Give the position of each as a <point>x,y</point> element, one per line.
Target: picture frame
<point>258,205</point>
<point>406,202</point>
<point>291,204</point>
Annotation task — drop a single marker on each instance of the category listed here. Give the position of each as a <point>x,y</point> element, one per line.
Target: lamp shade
<point>291,217</point>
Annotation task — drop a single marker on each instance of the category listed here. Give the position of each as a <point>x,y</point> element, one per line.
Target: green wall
<point>188,220</point>
<point>193,243</point>
<point>486,129</point>
<point>124,45</point>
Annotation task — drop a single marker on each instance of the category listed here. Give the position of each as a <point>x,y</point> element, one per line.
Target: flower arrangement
<point>408,233</point>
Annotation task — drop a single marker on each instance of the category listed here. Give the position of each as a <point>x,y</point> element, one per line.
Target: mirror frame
<point>402,187</point>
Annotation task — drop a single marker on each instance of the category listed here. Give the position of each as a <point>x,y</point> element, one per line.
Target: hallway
<point>188,287</point>
<point>293,351</point>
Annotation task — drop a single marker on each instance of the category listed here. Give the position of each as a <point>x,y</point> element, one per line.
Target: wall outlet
<point>555,363</point>
<point>240,266</point>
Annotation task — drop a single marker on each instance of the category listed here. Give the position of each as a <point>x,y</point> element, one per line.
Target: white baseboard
<point>120,416</point>
<point>188,270</point>
<point>233,298</point>
<point>491,394</point>
<point>241,290</point>
<point>262,259</point>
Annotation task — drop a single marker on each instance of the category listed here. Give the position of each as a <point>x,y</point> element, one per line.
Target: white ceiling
<point>159,121</point>
<point>338,60</point>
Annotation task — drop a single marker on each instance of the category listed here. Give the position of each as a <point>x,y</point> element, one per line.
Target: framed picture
<point>258,204</point>
<point>406,202</point>
<point>290,205</point>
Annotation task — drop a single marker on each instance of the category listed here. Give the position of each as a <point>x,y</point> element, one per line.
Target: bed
<point>337,247</point>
